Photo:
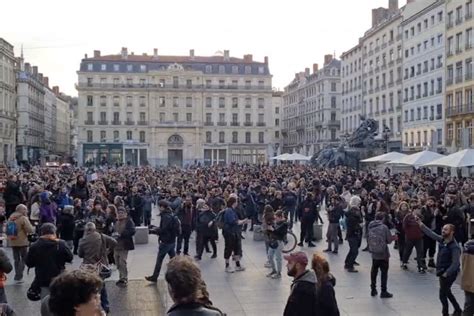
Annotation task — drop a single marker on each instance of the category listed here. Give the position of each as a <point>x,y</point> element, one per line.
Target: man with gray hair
<point>48,256</point>
<point>94,248</point>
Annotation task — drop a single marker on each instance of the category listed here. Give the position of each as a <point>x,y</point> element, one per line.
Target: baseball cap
<point>297,257</point>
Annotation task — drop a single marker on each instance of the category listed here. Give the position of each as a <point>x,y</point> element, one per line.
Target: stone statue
<point>364,136</point>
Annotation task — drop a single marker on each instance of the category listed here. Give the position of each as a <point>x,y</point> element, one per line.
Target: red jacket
<point>411,227</point>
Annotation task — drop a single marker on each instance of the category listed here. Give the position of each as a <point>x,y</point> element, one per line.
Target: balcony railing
<point>88,122</point>
<point>460,110</point>
<point>450,24</point>
<point>334,123</point>
<point>221,123</point>
<point>129,122</point>
<point>248,123</point>
<point>468,76</point>
<point>108,86</point>
<point>208,123</point>
<point>116,123</point>
<point>449,81</point>
<point>142,123</point>
<point>458,21</point>
<point>468,16</point>
<point>469,45</point>
<point>261,124</point>
<point>102,122</point>
<point>458,78</point>
<point>234,124</point>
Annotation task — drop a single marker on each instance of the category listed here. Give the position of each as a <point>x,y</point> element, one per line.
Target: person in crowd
<point>268,220</point>
<point>170,228</point>
<point>232,236</point>
<point>12,194</point>
<point>379,239</point>
<point>80,190</point>
<point>74,293</point>
<point>123,232</point>
<point>79,223</point>
<point>147,207</point>
<point>93,249</point>
<point>63,198</point>
<point>335,213</point>
<point>48,257</point>
<point>135,205</point>
<point>20,229</point>
<point>290,200</point>
<point>354,232</point>
<point>5,268</point>
<point>326,296</point>
<point>277,233</point>
<point>66,225</point>
<point>413,238</point>
<point>369,214</point>
<point>187,289</point>
<point>175,201</point>
<point>430,217</point>
<point>400,213</point>
<point>97,216</point>
<point>206,229</point>
<point>308,212</point>
<point>447,264</point>
<point>467,277</point>
<point>48,209</point>
<point>455,216</point>
<point>303,297</point>
<point>185,215</point>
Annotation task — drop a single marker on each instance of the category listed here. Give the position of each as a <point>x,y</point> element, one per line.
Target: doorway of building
<point>175,157</point>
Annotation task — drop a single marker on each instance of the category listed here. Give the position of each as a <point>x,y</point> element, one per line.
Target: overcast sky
<point>294,34</point>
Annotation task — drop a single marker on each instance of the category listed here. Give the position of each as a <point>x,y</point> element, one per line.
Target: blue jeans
<point>274,256</point>
<point>104,299</point>
<point>163,250</point>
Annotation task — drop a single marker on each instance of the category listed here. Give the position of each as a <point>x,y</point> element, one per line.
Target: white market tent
<point>281,157</point>
<point>463,158</point>
<point>417,160</point>
<point>385,157</point>
<point>298,157</point>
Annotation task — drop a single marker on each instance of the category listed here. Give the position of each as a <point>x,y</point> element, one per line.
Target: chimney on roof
<point>248,58</point>
<point>155,53</point>
<point>393,5</point>
<point>124,53</point>
<point>132,53</point>
<point>306,71</point>
<point>266,60</point>
<point>27,67</point>
<point>85,56</point>
<point>46,81</point>
<point>40,78</point>
<point>327,59</point>
<point>315,68</point>
<point>35,70</point>
<point>56,90</point>
<point>191,53</point>
<point>96,53</point>
<point>226,55</point>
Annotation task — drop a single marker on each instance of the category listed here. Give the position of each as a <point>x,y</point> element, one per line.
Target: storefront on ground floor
<point>103,153</point>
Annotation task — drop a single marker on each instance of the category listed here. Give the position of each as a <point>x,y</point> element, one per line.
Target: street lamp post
<point>386,137</point>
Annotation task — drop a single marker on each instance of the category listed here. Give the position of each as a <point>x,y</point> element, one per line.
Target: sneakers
<point>404,266</point>
<point>151,279</point>
<point>373,292</point>
<point>327,250</point>
<point>421,270</point>
<point>214,256</point>
<point>276,276</point>
<point>365,249</point>
<point>334,252</point>
<point>229,269</point>
<point>356,263</point>
<point>431,264</point>
<point>386,295</point>
<point>271,274</point>
<point>240,268</point>
<point>300,244</point>
<point>121,283</point>
<point>352,270</point>
<point>267,265</point>
<point>311,245</point>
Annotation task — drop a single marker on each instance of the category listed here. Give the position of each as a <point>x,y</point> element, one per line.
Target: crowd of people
<point>48,216</point>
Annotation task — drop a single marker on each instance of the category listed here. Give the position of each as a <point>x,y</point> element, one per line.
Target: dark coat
<point>125,239</point>
<point>48,257</point>
<point>66,226</point>
<point>12,194</point>
<point>308,210</point>
<point>303,297</point>
<point>202,222</point>
<point>353,221</point>
<point>327,303</point>
<point>195,309</point>
<point>80,191</point>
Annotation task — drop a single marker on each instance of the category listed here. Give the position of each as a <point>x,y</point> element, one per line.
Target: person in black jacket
<point>169,229</point>
<point>277,233</point>
<point>12,195</point>
<point>80,190</point>
<point>5,268</point>
<point>335,213</point>
<point>66,225</point>
<point>206,230</point>
<point>185,215</point>
<point>447,264</point>
<point>135,204</point>
<point>48,256</point>
<point>429,215</point>
<point>124,229</point>
<point>308,212</point>
<point>354,233</point>
<point>303,297</point>
<point>326,296</point>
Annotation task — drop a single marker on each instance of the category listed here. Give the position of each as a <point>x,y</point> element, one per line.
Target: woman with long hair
<point>326,296</point>
<point>400,213</point>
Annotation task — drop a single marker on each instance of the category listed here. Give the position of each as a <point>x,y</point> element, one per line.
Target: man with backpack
<point>169,230</point>
<point>379,237</point>
<point>18,229</point>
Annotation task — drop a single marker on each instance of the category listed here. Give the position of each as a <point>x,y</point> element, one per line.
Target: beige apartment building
<point>174,110</point>
<point>459,74</point>
<point>311,109</point>
<point>7,103</point>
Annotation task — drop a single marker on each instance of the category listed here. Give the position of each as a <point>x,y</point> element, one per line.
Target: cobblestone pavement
<point>251,293</point>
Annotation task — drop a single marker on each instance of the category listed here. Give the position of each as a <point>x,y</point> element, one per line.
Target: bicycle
<point>290,242</point>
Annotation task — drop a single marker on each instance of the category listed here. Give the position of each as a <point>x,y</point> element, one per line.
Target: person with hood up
<point>303,296</point>
<point>48,209</point>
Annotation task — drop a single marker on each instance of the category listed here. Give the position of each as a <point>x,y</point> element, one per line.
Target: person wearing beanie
<point>48,257</point>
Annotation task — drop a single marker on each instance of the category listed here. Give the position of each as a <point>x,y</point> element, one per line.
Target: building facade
<point>311,109</point>
<point>7,103</point>
<point>277,109</point>
<point>63,125</point>
<point>423,75</point>
<point>459,74</point>
<point>382,73</point>
<point>174,110</point>
<point>50,117</point>
<point>352,96</point>
<point>31,116</point>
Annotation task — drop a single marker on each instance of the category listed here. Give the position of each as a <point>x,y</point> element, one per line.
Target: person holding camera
<point>447,264</point>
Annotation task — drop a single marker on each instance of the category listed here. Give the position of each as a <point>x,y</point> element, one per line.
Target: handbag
<point>99,268</point>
